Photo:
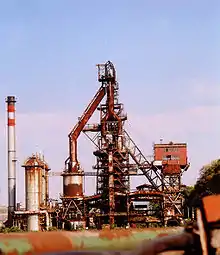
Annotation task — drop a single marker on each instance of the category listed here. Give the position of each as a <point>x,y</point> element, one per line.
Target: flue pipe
<point>10,100</point>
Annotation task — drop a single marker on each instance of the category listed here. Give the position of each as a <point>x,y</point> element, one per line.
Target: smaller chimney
<point>10,100</point>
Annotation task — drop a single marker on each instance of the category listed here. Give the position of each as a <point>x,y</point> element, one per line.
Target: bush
<point>10,230</point>
<point>52,229</point>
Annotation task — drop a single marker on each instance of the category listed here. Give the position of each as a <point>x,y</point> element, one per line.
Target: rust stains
<point>110,234</point>
<point>171,169</point>
<point>162,234</point>
<point>73,190</point>
<point>30,243</point>
<point>53,241</point>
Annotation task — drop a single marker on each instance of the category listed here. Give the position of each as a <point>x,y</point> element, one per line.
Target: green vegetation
<point>10,230</point>
<point>52,229</point>
<point>207,184</point>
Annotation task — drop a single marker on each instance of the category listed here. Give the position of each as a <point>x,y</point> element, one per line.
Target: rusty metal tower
<point>117,157</point>
<point>173,162</point>
<point>112,165</point>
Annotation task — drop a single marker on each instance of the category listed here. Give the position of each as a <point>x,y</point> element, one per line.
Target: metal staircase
<point>150,171</point>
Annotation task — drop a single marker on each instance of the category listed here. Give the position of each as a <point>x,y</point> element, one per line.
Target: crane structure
<point>117,158</point>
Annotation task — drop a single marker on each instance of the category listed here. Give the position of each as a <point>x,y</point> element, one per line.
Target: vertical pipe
<point>110,94</point>
<point>43,192</point>
<point>10,100</point>
<point>46,186</point>
<point>40,184</point>
<point>44,183</point>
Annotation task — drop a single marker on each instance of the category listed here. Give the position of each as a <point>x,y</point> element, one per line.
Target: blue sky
<point>167,58</point>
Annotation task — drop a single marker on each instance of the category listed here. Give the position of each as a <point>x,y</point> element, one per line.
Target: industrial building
<point>118,158</point>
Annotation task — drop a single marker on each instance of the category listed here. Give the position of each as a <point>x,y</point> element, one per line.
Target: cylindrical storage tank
<point>33,167</point>
<point>32,196</point>
<point>72,185</point>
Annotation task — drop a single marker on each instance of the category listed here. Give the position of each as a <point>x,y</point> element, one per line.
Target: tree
<point>209,178</point>
<point>207,183</point>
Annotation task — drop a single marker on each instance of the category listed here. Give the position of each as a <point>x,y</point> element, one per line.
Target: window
<point>171,149</point>
<point>170,157</point>
<point>175,158</point>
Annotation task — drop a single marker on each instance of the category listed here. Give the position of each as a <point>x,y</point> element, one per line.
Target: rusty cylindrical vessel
<point>33,180</point>
<point>72,185</point>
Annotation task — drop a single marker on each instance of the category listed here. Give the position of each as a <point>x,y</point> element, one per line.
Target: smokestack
<point>10,100</point>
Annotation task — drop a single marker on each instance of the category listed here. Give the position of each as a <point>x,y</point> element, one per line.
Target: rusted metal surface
<point>112,162</point>
<point>171,169</point>
<point>115,149</point>
<point>174,161</point>
<point>72,185</point>
<point>113,182</point>
<point>36,189</point>
<point>117,156</point>
<point>74,134</point>
<point>45,242</point>
<point>93,197</point>
<point>33,172</point>
<point>146,193</point>
<point>171,152</point>
<point>72,190</point>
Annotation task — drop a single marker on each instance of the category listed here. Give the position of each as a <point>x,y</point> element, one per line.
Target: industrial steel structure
<point>38,213</point>
<point>118,158</point>
<point>174,162</point>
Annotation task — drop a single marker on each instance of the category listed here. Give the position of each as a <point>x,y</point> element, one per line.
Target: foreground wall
<point>40,242</point>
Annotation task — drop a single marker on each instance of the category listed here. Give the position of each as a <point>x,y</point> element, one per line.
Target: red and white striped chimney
<point>10,100</point>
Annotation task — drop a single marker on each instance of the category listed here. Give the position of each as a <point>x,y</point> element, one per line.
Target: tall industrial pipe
<point>10,100</point>
<point>33,176</point>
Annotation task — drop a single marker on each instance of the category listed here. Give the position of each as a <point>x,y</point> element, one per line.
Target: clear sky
<point>167,58</point>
